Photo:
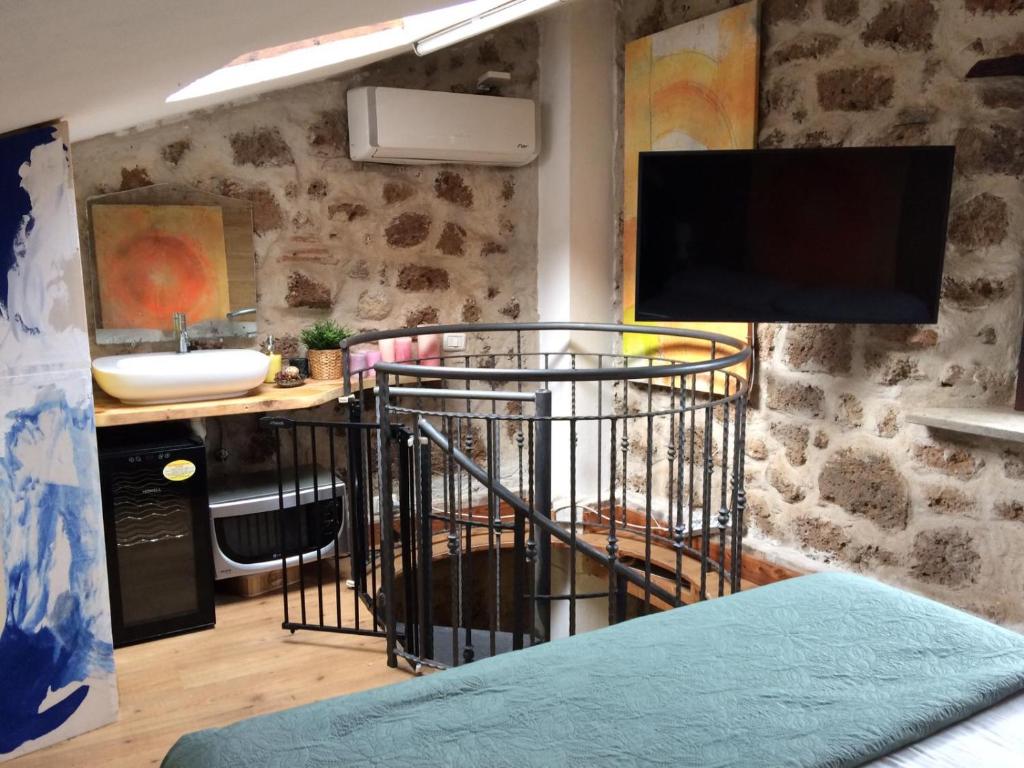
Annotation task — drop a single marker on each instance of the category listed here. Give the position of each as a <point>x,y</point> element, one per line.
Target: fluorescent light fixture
<point>328,50</point>
<point>484,22</point>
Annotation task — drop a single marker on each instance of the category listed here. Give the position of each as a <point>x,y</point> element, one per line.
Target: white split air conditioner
<point>410,127</point>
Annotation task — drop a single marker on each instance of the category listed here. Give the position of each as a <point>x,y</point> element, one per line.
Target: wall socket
<point>454,342</point>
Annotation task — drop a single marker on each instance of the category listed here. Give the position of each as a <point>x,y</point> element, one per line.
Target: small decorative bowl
<point>290,377</point>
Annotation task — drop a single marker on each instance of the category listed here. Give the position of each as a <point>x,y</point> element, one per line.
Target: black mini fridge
<point>157,529</point>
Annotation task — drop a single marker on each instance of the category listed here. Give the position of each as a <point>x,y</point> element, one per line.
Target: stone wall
<point>372,245</point>
<point>834,469</point>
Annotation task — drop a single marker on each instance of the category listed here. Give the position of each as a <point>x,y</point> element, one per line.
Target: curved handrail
<point>618,373</point>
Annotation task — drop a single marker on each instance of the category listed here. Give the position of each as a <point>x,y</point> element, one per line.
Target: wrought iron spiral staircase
<point>544,483</point>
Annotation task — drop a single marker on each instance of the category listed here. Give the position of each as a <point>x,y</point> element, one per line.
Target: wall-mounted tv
<point>838,235</point>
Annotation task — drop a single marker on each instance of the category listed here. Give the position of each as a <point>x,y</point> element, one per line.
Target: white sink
<point>167,377</point>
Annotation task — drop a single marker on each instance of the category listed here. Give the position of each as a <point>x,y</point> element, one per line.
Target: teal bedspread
<point>823,670</point>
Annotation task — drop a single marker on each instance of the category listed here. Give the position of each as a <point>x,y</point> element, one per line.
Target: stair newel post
<point>356,476</point>
<point>387,514</point>
<point>542,504</point>
<point>405,529</point>
<point>426,556</point>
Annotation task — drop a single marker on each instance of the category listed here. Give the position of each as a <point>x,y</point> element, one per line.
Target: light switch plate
<point>454,342</point>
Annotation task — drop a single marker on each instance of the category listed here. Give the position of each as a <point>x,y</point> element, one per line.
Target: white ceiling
<point>107,65</point>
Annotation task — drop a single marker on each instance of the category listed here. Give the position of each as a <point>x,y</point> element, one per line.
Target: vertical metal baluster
<point>469,653</point>
<point>356,548</point>
<point>492,563</point>
<point>520,439</point>
<point>670,454</point>
<point>679,436</point>
<point>466,516</point>
<point>426,580</point>
<point>387,562</point>
<point>693,455</point>
<point>723,510</point>
<point>454,560</point>
<point>542,497</point>
<point>624,445</point>
<point>648,497</point>
<point>299,522</point>
<point>339,517</point>
<point>422,568</point>
<point>317,533</point>
<point>531,541</point>
<point>366,469</point>
<point>519,576</point>
<point>572,508</point>
<point>405,489</point>
<point>282,533</point>
<point>740,505</point>
<point>412,636</point>
<point>707,471</point>
<point>374,526</point>
<point>613,543</point>
<point>600,435</point>
<point>497,523</point>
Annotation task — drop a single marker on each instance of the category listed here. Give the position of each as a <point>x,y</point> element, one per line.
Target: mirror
<point>170,248</point>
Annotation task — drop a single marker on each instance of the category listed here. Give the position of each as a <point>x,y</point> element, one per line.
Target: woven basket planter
<point>325,363</point>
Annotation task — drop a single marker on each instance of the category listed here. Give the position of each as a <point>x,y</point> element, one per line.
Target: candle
<point>357,362</point>
<point>403,349</point>
<point>430,348</point>
<point>372,358</point>
<point>387,350</point>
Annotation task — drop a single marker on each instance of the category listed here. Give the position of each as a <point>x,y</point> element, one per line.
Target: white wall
<point>576,219</point>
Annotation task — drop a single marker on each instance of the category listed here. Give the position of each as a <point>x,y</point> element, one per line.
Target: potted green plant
<point>323,340</point>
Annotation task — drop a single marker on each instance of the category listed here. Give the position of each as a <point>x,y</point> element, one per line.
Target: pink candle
<point>430,348</point>
<point>372,358</point>
<point>357,362</point>
<point>403,349</point>
<point>387,350</point>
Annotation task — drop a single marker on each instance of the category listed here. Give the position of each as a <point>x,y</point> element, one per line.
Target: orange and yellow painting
<point>155,260</point>
<point>690,87</point>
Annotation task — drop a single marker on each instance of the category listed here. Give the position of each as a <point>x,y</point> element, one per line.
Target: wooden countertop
<point>111,412</point>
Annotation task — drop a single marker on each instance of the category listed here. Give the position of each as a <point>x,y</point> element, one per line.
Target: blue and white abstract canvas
<point>56,658</point>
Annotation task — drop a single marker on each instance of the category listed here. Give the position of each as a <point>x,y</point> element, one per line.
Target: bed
<point>822,670</point>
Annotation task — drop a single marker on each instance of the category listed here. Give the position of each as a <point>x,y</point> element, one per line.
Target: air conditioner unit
<point>410,127</point>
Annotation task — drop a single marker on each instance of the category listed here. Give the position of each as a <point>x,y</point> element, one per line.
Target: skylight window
<point>328,50</point>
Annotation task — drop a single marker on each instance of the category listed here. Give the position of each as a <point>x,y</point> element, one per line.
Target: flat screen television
<point>838,235</point>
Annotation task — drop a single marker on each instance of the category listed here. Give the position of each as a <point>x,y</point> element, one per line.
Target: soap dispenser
<point>275,362</point>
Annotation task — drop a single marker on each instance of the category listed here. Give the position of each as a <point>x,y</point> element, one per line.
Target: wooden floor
<point>246,666</point>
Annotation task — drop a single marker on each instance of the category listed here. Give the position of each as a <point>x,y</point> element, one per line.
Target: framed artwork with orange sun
<point>155,260</point>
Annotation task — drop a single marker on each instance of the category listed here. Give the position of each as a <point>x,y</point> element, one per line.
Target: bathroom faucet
<point>181,331</point>
<point>236,313</point>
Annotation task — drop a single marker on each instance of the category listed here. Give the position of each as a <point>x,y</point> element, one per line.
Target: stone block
<point>307,293</point>
<point>906,25</point>
<point>416,277</point>
<point>866,483</point>
<point>450,186</point>
<point>855,89</point>
<point>981,222</point>
<point>814,348</point>
<point>946,556</point>
<point>262,147</point>
<point>407,230</point>
<point>795,397</point>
